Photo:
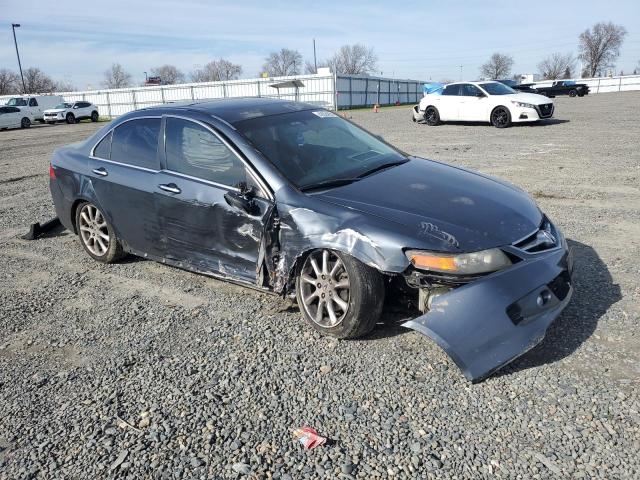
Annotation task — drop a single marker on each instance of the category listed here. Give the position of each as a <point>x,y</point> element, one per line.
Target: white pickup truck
<point>35,105</point>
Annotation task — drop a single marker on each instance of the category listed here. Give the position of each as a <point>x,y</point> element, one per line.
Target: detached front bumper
<point>487,323</point>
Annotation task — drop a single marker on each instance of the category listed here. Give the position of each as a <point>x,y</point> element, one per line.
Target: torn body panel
<point>489,322</point>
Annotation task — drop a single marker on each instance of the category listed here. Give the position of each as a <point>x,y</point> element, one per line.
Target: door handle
<point>100,171</point>
<point>169,187</point>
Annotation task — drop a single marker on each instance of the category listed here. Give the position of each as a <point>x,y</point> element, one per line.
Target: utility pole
<point>460,72</point>
<point>315,61</point>
<point>13,27</point>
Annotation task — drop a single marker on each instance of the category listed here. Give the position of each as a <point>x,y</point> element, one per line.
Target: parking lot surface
<point>139,370</point>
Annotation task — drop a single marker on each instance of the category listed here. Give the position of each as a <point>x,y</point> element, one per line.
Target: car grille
<point>545,238</point>
<point>545,110</point>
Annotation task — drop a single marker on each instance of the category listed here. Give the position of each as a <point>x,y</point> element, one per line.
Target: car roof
<point>234,110</point>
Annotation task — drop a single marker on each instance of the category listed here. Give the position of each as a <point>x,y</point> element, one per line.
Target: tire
<point>431,116</point>
<point>501,117</point>
<point>71,118</point>
<point>573,93</point>
<point>94,116</point>
<point>96,235</point>
<point>356,306</point>
<point>25,122</point>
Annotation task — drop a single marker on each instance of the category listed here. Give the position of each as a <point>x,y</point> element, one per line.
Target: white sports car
<point>490,102</point>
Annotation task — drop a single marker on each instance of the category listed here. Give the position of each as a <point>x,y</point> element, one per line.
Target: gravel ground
<point>139,370</point>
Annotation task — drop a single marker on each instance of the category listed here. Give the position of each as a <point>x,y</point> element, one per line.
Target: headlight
<point>460,264</point>
<point>523,105</point>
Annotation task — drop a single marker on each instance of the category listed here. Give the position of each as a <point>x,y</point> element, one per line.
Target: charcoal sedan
<point>293,199</point>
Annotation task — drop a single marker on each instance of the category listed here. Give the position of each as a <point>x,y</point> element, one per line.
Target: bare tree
<point>600,46</point>
<point>36,81</point>
<point>64,86</point>
<point>310,67</point>
<point>116,77</point>
<point>168,74</point>
<point>283,63</point>
<point>498,66</point>
<point>556,66</point>
<point>354,59</point>
<point>9,82</point>
<point>217,70</point>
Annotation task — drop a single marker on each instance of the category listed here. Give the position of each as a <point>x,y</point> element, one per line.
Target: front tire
<point>573,93</point>
<point>25,123</point>
<point>71,118</point>
<point>96,234</point>
<point>431,116</point>
<point>94,116</point>
<point>338,295</point>
<point>501,117</point>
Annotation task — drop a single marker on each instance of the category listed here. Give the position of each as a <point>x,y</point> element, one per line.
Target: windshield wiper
<point>336,182</point>
<point>382,167</point>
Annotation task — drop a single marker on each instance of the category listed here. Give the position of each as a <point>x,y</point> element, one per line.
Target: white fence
<point>604,84</point>
<point>328,91</point>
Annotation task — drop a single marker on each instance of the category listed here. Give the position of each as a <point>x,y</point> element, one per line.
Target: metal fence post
<point>598,90</point>
<point>192,95</point>
<point>224,90</point>
<point>335,91</point>
<point>620,84</point>
<point>133,96</point>
<point>366,92</point>
<point>258,85</point>
<point>109,105</point>
<point>162,94</point>
<point>350,92</point>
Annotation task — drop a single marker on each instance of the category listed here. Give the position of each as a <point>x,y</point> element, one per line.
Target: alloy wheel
<point>93,230</point>
<point>500,117</point>
<point>325,288</point>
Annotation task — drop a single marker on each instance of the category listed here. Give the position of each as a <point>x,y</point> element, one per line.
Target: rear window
<point>136,143</point>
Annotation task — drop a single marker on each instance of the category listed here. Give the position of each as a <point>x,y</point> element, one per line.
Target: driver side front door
<point>209,222</point>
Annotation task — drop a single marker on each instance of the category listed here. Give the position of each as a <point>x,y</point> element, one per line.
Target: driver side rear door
<point>448,103</point>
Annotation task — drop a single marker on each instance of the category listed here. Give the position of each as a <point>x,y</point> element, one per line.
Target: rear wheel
<point>71,118</point>
<point>25,122</point>
<point>573,93</point>
<point>500,117</point>
<point>431,116</point>
<point>338,295</point>
<point>96,234</point>
<point>94,116</point>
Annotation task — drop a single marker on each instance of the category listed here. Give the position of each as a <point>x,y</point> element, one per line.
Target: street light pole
<point>13,27</point>
<point>460,72</point>
<point>315,62</point>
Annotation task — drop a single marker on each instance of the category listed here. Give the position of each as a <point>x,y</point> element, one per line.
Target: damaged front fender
<point>490,322</point>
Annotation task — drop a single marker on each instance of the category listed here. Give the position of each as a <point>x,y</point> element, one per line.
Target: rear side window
<point>193,150</point>
<point>33,102</point>
<point>136,143</point>
<point>103,149</point>
<point>451,90</point>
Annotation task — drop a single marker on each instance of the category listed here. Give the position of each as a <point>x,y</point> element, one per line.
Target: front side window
<point>311,148</point>
<point>63,106</point>
<point>469,90</point>
<point>495,88</point>
<point>451,90</point>
<point>136,143</point>
<point>193,150</point>
<point>17,102</point>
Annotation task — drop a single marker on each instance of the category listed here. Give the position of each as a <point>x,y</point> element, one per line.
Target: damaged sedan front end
<point>295,200</point>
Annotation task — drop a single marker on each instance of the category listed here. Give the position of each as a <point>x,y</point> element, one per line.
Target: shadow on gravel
<point>594,293</point>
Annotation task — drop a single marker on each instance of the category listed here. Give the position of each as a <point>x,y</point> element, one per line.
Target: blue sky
<point>77,40</point>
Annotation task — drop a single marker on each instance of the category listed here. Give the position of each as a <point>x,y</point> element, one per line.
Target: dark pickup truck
<point>563,87</point>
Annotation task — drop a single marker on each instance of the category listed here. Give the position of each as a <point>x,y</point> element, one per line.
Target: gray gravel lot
<point>139,370</point>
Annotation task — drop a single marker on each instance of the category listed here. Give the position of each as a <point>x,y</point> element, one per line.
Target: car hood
<point>453,209</point>
<point>533,98</point>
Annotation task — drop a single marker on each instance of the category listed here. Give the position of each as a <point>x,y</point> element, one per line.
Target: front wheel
<point>500,117</point>
<point>339,295</point>
<point>94,116</point>
<point>573,93</point>
<point>71,118</point>
<point>25,123</point>
<point>431,116</point>
<point>96,234</point>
